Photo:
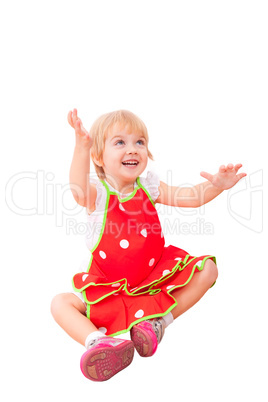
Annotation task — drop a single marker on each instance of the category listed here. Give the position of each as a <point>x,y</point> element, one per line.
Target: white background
<point>196,73</point>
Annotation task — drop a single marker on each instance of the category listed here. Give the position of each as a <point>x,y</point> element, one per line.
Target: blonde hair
<point>100,130</point>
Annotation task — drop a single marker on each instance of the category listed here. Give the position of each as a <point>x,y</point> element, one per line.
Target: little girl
<point>133,282</point>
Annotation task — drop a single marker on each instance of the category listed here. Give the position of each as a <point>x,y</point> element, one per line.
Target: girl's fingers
<point>241,175</point>
<point>69,118</point>
<point>237,167</point>
<point>74,116</point>
<point>76,123</point>
<point>207,176</point>
<point>78,127</point>
<point>230,166</point>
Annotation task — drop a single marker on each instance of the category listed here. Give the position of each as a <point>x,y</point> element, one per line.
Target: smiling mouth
<point>130,163</point>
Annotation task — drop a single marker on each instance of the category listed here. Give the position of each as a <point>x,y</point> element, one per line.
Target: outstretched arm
<point>202,193</point>
<point>84,193</point>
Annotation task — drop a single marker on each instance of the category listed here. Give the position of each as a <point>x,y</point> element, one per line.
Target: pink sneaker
<point>147,335</point>
<point>106,357</point>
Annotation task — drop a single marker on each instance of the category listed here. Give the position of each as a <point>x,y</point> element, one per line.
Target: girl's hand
<point>82,136</point>
<point>226,178</point>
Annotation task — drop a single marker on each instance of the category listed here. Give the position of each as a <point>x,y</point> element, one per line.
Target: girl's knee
<point>56,304</point>
<point>63,300</point>
<point>59,302</point>
<point>210,271</point>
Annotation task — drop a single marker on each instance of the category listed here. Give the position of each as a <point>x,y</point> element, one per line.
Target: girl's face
<point>125,157</point>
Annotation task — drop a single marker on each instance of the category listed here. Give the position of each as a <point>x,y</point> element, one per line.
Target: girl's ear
<point>97,161</point>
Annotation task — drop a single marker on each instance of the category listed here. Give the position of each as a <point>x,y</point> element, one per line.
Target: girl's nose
<point>131,150</point>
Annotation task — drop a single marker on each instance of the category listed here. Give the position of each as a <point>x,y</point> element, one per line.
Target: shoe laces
<point>158,327</point>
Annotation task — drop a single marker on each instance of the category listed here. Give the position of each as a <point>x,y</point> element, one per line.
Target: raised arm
<point>84,193</point>
<point>202,193</point>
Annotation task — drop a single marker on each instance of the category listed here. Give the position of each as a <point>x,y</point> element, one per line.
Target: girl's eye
<point>120,142</point>
<point>141,142</point>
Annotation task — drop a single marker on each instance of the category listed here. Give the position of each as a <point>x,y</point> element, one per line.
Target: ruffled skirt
<point>114,307</point>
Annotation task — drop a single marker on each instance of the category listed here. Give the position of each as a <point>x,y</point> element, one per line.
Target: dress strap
<point>112,191</point>
<point>146,191</point>
<point>106,186</point>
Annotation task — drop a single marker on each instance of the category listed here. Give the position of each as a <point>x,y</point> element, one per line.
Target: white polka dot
<point>178,259</point>
<point>166,272</point>
<point>170,287</point>
<point>102,254</point>
<point>115,294</point>
<point>151,262</point>
<point>199,263</point>
<point>103,330</point>
<point>121,207</point>
<point>144,232</point>
<point>115,285</point>
<point>139,314</point>
<point>124,243</point>
<point>84,277</point>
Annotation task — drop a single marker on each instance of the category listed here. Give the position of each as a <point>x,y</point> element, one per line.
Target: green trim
<point>184,284</point>
<point>204,260</point>
<point>144,189</point>
<point>181,269</point>
<point>89,264</point>
<point>116,194</point>
<point>154,292</point>
<point>155,282</point>
<point>185,262</point>
<point>193,270</point>
<point>106,294</point>
<point>148,317</point>
<point>169,292</point>
<point>105,185</point>
<point>126,198</point>
<point>104,216</point>
<point>162,279</point>
<point>88,308</point>
<point>150,288</point>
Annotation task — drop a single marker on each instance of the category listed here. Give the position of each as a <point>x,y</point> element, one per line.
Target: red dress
<point>131,274</point>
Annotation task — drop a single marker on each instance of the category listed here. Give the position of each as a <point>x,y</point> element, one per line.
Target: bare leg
<point>69,312</point>
<point>189,295</point>
<point>102,361</point>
